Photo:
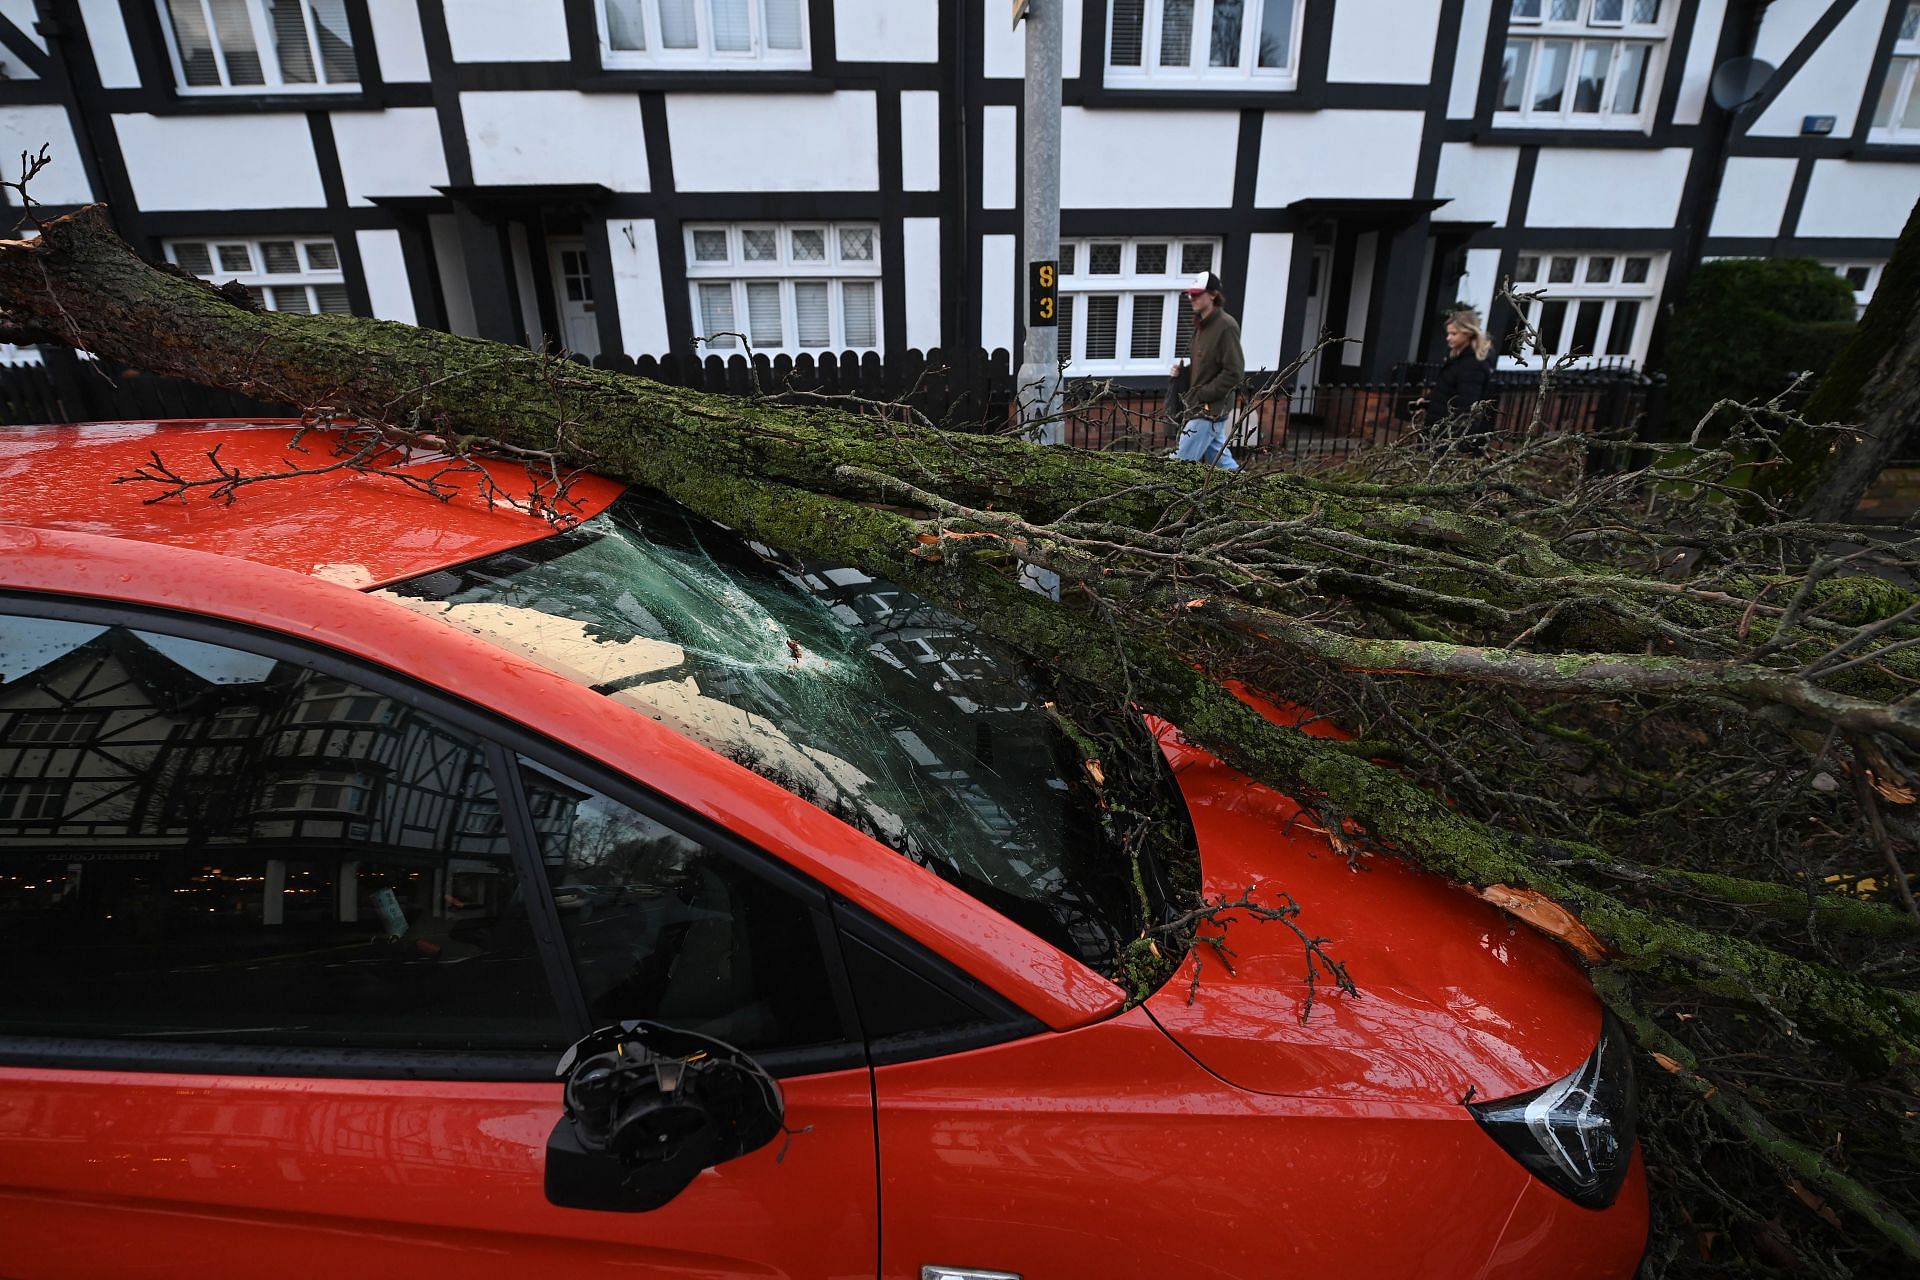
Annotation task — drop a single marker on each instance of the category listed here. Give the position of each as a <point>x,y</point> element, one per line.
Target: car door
<point>294,944</point>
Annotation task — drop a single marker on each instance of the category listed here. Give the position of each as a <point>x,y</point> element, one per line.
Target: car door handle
<point>965,1273</point>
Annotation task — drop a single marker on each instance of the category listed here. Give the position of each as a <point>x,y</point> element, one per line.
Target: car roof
<point>331,521</point>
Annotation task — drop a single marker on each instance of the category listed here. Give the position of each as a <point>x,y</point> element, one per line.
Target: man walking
<point>1218,366</point>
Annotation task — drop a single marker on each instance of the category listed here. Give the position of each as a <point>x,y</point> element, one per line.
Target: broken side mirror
<point>647,1108</point>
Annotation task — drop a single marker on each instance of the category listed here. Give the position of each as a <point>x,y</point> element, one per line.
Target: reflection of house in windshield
<point>143,770</point>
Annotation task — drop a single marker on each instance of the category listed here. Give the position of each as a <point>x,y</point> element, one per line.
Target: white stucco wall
<point>887,30</point>
<point>397,37</point>
<point>1468,57</point>
<point>221,162</point>
<point>920,140</point>
<point>774,142</point>
<point>996,294</point>
<point>1384,41</point>
<point>1124,159</point>
<point>921,249</point>
<point>112,51</point>
<point>27,128</point>
<point>1477,182</point>
<point>1846,198</point>
<point>1004,54</point>
<point>1605,188</point>
<point>998,129</point>
<point>1697,75</point>
<point>389,153</point>
<point>555,136</point>
<point>1753,195</point>
<point>1263,313</point>
<point>507,30</point>
<point>1786,21</point>
<point>386,271</point>
<point>1352,154</point>
<point>1829,84</point>
<point>634,249</point>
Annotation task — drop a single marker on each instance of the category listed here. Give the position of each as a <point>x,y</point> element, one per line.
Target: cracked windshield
<point>858,696</point>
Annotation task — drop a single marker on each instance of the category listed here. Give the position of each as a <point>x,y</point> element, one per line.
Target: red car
<point>330,818</point>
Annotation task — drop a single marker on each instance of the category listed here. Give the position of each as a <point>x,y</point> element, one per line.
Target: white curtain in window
<point>234,29</point>
<point>856,309</point>
<point>195,43</point>
<point>1103,325</point>
<point>763,313</point>
<point>716,315</point>
<point>783,21</point>
<point>1128,18</point>
<point>626,25</point>
<point>335,38</point>
<point>1148,311</point>
<point>1276,33</point>
<point>1176,33</point>
<point>1227,17</point>
<point>290,45</point>
<point>678,29</point>
<point>732,28</point>
<point>810,313</point>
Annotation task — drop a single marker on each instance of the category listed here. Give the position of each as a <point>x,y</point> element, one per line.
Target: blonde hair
<point>1468,322</point>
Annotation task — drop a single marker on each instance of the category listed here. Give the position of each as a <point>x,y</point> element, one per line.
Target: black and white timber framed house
<point>623,176</point>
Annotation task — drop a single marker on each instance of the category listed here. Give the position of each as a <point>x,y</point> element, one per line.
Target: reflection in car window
<point>660,927</point>
<point>199,842</point>
<point>849,691</point>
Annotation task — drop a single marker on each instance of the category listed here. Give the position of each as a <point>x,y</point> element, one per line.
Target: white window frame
<point>1196,74</point>
<point>1900,91</point>
<point>1612,39</point>
<point>263,284</point>
<point>264,49</point>
<point>1864,295</point>
<point>704,57</point>
<point>1079,284</point>
<point>738,271</point>
<point>1608,293</point>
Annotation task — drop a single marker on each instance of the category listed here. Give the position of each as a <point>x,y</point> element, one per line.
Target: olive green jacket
<point>1218,365</point>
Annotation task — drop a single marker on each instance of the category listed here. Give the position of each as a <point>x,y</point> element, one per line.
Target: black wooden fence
<point>971,390</point>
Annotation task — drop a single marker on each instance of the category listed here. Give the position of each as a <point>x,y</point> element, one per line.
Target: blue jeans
<point>1205,440</point>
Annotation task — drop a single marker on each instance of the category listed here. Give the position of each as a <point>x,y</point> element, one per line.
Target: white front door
<point>573,297</point>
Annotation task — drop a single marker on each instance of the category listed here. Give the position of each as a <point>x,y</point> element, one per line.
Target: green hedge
<point>1746,325</point>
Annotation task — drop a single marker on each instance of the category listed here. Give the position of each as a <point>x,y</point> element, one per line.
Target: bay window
<point>297,274</point>
<point>1582,63</point>
<point>256,46</point>
<point>1123,309</point>
<point>704,34</point>
<point>1593,306</point>
<point>788,289</point>
<point>1203,44</point>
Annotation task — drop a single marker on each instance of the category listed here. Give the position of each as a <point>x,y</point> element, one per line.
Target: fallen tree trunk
<point>1177,577</point>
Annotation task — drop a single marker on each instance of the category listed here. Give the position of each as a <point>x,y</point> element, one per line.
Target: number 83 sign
<point>1043,293</point>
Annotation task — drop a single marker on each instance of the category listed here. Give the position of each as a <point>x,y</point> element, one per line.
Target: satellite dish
<point>1738,81</point>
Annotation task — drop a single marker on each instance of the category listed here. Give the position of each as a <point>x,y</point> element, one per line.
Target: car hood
<point>1455,997</point>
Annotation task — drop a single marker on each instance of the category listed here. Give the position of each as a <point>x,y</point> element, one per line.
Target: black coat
<point>1463,381</point>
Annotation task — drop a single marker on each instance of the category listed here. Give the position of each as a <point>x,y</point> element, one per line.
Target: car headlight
<point>1576,1134</point>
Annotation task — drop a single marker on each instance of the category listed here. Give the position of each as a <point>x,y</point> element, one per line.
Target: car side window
<point>663,927</point>
<point>200,842</point>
